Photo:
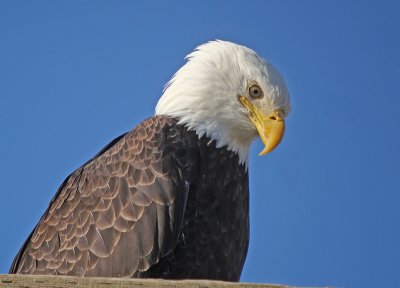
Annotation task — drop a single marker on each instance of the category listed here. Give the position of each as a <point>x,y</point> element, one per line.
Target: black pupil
<point>255,91</point>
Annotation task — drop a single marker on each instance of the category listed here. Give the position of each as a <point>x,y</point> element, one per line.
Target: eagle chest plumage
<point>156,202</point>
<point>215,231</point>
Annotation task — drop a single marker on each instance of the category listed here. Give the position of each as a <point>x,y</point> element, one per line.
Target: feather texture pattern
<point>156,202</point>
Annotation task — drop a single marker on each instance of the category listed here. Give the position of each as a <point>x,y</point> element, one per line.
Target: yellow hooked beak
<point>270,127</point>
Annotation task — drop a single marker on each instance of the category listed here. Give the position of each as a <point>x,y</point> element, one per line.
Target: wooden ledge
<point>36,281</point>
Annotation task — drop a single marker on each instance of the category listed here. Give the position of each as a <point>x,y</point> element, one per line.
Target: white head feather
<point>203,94</point>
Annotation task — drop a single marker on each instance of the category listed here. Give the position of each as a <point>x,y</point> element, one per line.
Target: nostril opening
<point>273,118</point>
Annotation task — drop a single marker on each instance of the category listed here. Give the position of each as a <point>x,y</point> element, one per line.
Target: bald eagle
<point>170,198</point>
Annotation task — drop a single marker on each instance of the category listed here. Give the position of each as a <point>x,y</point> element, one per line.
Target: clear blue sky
<point>324,205</point>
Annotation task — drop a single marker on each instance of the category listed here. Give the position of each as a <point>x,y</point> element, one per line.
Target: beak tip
<point>271,145</point>
<point>265,151</point>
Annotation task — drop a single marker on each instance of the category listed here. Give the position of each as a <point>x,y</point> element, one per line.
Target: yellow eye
<point>255,91</point>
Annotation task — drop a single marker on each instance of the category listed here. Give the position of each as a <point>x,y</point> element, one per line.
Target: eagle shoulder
<point>118,213</point>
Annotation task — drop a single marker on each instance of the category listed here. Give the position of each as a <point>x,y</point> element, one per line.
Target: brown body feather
<point>156,202</point>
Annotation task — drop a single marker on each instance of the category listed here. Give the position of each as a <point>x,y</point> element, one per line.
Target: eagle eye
<point>255,91</point>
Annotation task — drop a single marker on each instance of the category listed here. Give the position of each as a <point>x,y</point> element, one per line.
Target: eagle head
<point>230,94</point>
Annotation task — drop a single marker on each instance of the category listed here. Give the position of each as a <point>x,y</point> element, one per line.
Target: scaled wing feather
<point>117,214</point>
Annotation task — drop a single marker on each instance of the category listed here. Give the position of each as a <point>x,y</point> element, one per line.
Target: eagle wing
<point>119,213</point>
